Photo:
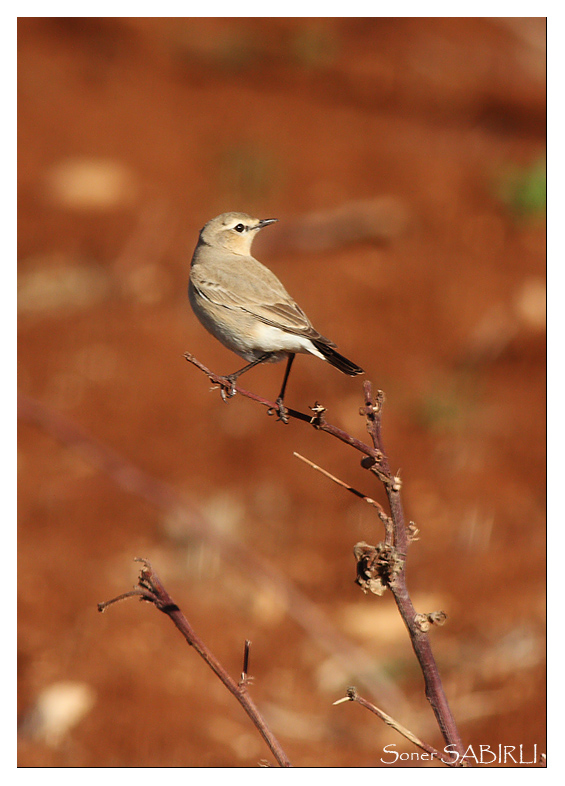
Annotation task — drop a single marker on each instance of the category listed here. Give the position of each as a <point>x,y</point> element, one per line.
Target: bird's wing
<point>257,292</point>
<point>287,316</point>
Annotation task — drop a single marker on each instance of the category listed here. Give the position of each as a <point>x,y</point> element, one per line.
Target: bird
<point>245,306</point>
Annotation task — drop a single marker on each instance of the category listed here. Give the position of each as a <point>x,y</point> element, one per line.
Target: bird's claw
<point>282,411</point>
<point>228,391</point>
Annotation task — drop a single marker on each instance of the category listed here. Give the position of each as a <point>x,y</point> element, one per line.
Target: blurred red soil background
<point>405,161</point>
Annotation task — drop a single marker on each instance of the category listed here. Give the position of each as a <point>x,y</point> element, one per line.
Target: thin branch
<point>132,479</point>
<point>372,502</point>
<point>316,419</point>
<point>389,562</point>
<point>151,589</point>
<point>418,636</point>
<point>352,695</point>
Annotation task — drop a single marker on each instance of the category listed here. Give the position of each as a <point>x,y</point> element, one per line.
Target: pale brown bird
<point>245,306</point>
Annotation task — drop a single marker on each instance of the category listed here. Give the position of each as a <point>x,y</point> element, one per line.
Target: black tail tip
<point>340,362</point>
<point>351,369</point>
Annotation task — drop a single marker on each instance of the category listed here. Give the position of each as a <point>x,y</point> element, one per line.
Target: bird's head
<point>233,232</point>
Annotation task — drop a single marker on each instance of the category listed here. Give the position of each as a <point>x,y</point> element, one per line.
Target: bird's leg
<point>232,378</point>
<point>283,412</point>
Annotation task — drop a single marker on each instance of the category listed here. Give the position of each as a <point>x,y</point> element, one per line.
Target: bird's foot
<point>227,391</point>
<point>282,411</point>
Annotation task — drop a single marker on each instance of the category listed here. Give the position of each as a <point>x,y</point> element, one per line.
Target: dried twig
<point>352,695</point>
<point>131,478</point>
<point>372,502</point>
<point>397,579</point>
<point>343,484</point>
<point>383,565</point>
<point>316,419</point>
<point>151,589</point>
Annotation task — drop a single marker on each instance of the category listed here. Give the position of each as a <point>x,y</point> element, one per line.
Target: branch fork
<point>151,589</point>
<point>383,565</point>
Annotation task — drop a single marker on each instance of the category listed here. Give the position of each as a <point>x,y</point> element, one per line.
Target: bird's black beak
<point>265,222</point>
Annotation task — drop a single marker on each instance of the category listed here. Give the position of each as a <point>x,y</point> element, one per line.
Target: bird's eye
<point>239,228</point>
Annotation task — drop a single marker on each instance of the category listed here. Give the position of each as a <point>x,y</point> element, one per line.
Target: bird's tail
<point>337,360</point>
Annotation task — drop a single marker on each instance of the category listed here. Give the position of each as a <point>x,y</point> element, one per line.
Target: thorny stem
<point>397,536</point>
<point>151,589</point>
